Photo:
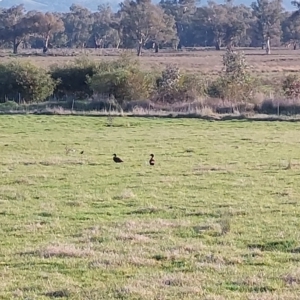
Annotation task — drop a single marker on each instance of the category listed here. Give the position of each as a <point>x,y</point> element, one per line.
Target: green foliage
<point>215,88</point>
<point>144,21</point>
<point>123,79</point>
<point>236,83</point>
<point>73,77</point>
<point>24,81</point>
<point>291,86</point>
<point>169,23</point>
<point>193,86</point>
<point>172,86</point>
<point>235,66</point>
<point>170,79</point>
<point>8,105</point>
<point>225,89</point>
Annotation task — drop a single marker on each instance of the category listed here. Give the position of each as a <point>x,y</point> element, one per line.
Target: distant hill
<point>63,5</point>
<point>55,5</point>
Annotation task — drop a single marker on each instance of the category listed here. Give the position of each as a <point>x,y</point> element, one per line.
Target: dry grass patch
<point>54,161</point>
<point>35,226</point>
<point>210,227</point>
<point>183,280</point>
<point>284,295</point>
<point>111,260</point>
<point>138,261</point>
<point>74,203</point>
<point>58,294</point>
<point>133,238</point>
<point>61,251</point>
<point>208,61</point>
<point>108,261</point>
<point>125,194</point>
<point>146,210</point>
<point>161,285</point>
<point>203,168</point>
<point>155,224</point>
<point>292,278</point>
<point>24,180</point>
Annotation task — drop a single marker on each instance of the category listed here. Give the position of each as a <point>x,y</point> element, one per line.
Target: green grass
<point>218,217</point>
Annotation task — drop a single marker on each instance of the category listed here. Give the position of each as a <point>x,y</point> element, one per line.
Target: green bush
<point>291,86</point>
<point>122,79</point>
<point>227,89</point>
<point>9,105</point>
<point>236,83</point>
<point>172,86</point>
<point>215,89</point>
<point>72,78</point>
<point>24,81</point>
<point>193,86</point>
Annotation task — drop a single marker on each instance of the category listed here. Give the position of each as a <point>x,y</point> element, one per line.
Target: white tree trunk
<point>268,47</point>
<point>139,48</point>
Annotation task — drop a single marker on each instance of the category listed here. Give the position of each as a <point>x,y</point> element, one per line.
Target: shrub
<point>24,81</point>
<point>122,79</point>
<point>192,86</point>
<point>216,88</point>
<point>291,86</point>
<point>8,105</point>
<point>236,83</point>
<point>226,89</point>
<point>172,86</point>
<point>72,78</point>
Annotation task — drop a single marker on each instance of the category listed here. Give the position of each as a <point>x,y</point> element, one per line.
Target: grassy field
<point>216,218</point>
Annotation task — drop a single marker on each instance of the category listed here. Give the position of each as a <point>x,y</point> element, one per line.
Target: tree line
<point>142,24</point>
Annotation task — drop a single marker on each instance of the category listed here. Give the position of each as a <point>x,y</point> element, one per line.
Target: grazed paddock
<point>206,61</point>
<point>216,218</point>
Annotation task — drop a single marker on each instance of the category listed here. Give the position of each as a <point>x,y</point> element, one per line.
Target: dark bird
<point>81,152</point>
<point>117,159</point>
<point>152,161</point>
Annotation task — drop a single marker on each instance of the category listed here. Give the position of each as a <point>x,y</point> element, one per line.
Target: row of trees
<point>140,23</point>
